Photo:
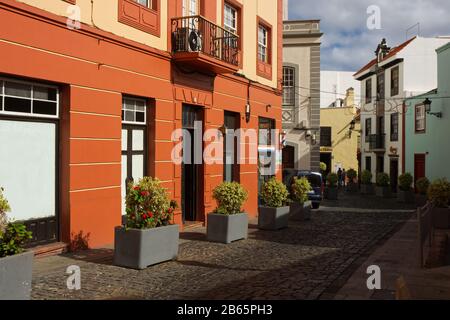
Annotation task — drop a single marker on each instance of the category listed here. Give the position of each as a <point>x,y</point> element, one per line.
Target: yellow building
<point>339,135</point>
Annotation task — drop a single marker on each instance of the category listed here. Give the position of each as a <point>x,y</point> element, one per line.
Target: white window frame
<point>145,3</point>
<point>31,98</point>
<point>263,49</point>
<point>228,9</point>
<point>288,76</point>
<point>145,110</point>
<point>422,118</point>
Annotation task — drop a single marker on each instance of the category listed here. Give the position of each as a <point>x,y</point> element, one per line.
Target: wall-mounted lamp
<point>248,111</point>
<point>427,104</point>
<point>268,107</point>
<point>351,128</point>
<point>223,130</point>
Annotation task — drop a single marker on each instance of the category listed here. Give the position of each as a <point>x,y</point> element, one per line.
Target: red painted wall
<point>93,70</point>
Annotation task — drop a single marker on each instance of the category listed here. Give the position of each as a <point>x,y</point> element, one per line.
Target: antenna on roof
<point>412,27</point>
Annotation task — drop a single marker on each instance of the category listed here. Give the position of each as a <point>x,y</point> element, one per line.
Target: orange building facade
<point>107,94</point>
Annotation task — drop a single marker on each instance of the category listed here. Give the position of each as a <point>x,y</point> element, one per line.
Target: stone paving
<point>309,260</point>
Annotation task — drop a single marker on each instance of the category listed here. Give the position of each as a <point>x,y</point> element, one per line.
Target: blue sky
<point>348,44</point>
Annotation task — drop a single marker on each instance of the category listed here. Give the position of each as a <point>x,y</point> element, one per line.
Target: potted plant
<point>366,183</point>
<point>332,187</point>
<point>439,195</point>
<point>274,214</point>
<point>16,264</point>
<point>148,237</point>
<point>352,186</point>
<point>323,169</point>
<point>405,193</point>
<point>422,186</point>
<point>383,189</point>
<point>300,208</point>
<point>228,222</point>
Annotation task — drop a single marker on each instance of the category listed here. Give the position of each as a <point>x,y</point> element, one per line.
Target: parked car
<point>314,178</point>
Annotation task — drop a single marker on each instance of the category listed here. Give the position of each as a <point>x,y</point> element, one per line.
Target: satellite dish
<point>195,42</point>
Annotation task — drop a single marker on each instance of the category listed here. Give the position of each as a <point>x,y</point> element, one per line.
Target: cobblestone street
<point>309,260</point>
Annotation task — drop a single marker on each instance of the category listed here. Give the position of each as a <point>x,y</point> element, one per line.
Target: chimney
<point>350,98</point>
<point>285,10</point>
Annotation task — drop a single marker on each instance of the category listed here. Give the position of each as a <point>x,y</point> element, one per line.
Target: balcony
<point>204,45</point>
<point>377,142</point>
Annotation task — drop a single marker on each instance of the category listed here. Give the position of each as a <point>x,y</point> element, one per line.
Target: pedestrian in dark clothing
<point>339,174</point>
<point>344,177</point>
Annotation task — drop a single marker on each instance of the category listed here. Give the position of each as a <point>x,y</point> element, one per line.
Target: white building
<point>334,86</point>
<point>395,73</point>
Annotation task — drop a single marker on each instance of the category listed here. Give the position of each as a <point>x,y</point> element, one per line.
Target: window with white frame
<point>28,99</point>
<point>230,19</point>
<point>288,86</point>
<point>145,3</point>
<point>262,44</point>
<point>134,111</point>
<point>420,118</point>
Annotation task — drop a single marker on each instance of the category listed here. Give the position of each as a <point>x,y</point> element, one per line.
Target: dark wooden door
<point>394,174</point>
<point>419,167</point>
<point>288,157</point>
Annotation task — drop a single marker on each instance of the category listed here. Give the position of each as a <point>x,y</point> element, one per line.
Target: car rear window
<point>314,180</point>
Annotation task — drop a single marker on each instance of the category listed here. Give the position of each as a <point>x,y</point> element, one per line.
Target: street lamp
<point>427,103</point>
<point>248,111</point>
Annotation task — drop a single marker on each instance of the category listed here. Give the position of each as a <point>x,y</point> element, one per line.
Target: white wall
<point>339,82</point>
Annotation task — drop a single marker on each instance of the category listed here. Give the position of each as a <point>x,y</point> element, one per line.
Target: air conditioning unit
<point>195,41</point>
<point>187,40</point>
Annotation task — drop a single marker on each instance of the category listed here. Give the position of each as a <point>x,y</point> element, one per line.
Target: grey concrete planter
<point>441,218</point>
<point>15,276</point>
<point>300,211</point>
<point>421,200</point>
<point>332,193</point>
<point>226,229</point>
<point>384,192</point>
<point>139,249</point>
<point>273,218</point>
<point>352,188</point>
<point>367,189</point>
<point>406,196</point>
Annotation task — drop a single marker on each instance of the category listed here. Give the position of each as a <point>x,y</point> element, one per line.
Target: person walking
<point>339,174</point>
<point>344,178</point>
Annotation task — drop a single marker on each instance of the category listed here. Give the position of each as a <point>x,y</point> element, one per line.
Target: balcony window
<point>288,86</point>
<point>368,91</point>
<point>420,118</point>
<point>325,137</point>
<point>394,127</point>
<point>368,131</point>
<point>141,14</point>
<point>230,19</point>
<point>262,44</point>
<point>394,81</point>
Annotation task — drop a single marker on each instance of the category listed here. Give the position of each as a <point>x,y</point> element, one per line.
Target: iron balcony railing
<point>377,142</point>
<point>197,34</point>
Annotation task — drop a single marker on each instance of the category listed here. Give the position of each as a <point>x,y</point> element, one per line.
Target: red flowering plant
<point>148,205</point>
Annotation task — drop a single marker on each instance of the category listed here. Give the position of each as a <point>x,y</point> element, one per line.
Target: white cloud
<point>348,44</point>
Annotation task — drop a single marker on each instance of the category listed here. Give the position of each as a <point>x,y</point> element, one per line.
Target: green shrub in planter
<point>148,237</point>
<point>405,181</point>
<point>16,265</point>
<point>300,189</point>
<point>383,179</point>
<point>300,208</point>
<point>439,195</point>
<point>366,182</point>
<point>422,185</point>
<point>382,189</point>
<point>274,193</point>
<point>275,214</point>
<point>366,177</point>
<point>230,196</point>
<point>352,174</point>
<point>332,191</point>
<point>228,223</point>
<point>405,194</point>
